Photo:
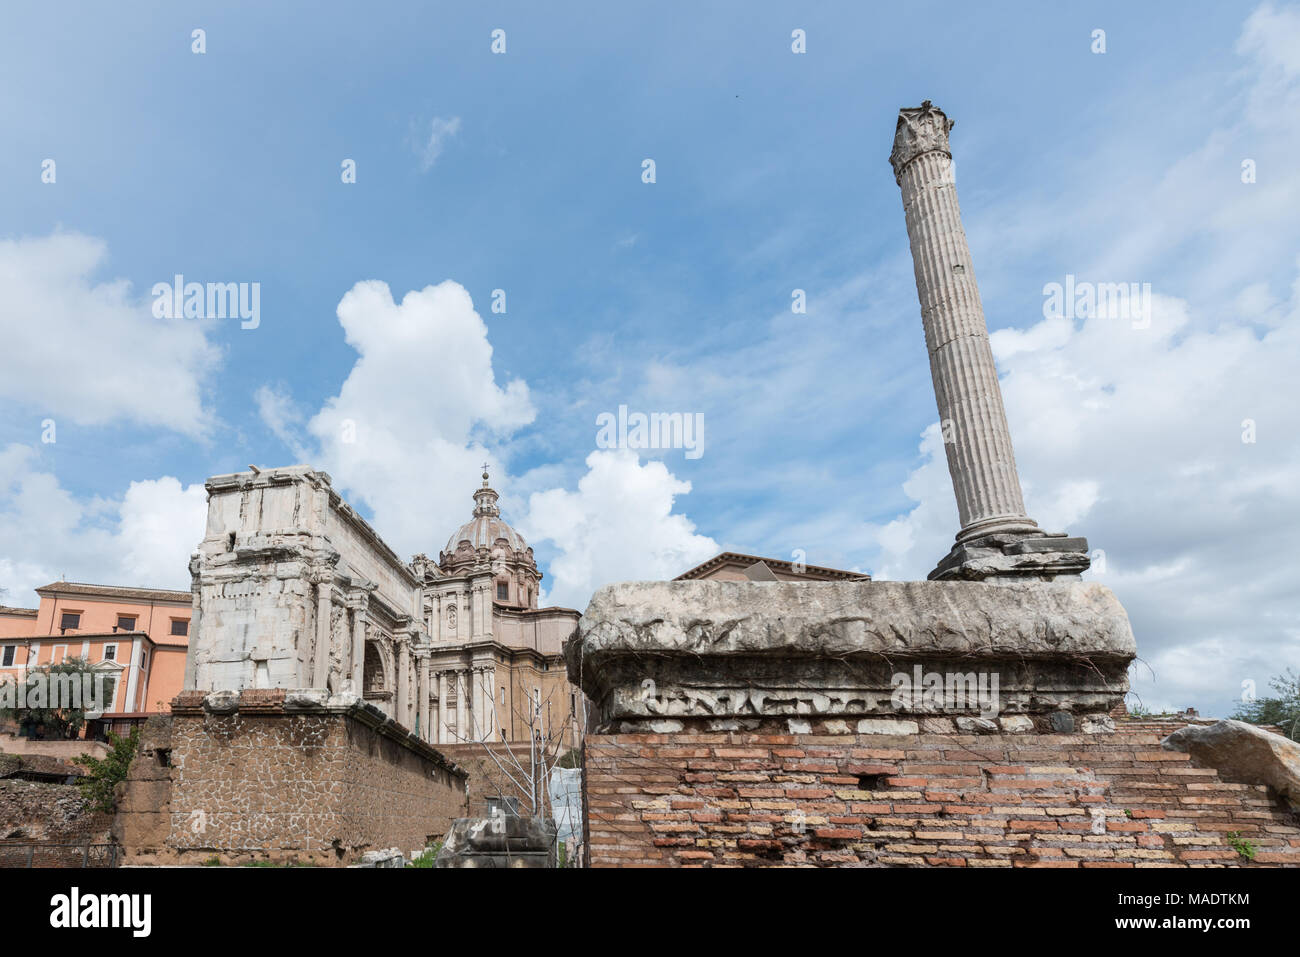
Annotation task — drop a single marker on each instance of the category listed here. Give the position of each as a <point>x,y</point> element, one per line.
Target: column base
<point>1032,555</point>
<point>1017,525</point>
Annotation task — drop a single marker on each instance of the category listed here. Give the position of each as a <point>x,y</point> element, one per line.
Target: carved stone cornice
<point>707,653</point>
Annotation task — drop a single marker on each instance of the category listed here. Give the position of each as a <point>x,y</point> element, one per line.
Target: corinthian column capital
<point>920,129</point>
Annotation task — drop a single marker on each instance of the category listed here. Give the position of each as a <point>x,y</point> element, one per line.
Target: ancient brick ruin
<point>941,800</point>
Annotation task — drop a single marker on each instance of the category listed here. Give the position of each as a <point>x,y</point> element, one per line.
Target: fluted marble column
<point>480,708</point>
<point>442,737</point>
<point>976,437</point>
<point>997,541</point>
<point>358,654</point>
<point>422,694</point>
<point>461,733</point>
<point>403,681</point>
<point>321,655</point>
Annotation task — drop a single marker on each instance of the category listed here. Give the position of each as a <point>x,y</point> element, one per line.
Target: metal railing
<point>19,854</point>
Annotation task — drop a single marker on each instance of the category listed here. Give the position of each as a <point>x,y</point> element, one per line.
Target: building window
<point>70,619</point>
<point>125,623</point>
<point>110,652</point>
<point>502,805</point>
<point>503,591</point>
<point>180,626</point>
<point>9,652</point>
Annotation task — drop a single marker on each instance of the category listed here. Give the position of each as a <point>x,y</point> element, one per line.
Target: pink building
<point>139,635</point>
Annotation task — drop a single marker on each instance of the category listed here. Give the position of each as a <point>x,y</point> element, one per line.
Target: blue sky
<point>673,296</point>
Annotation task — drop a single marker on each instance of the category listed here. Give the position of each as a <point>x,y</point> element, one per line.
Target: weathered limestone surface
<point>290,583</point>
<point>997,539</point>
<point>293,589</point>
<point>1244,754</point>
<point>714,653</point>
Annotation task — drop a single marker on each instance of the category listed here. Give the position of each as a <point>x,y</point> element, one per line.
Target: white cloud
<point>420,411</point>
<point>47,533</point>
<point>89,351</point>
<point>430,148</point>
<point>278,412</point>
<point>1272,38</point>
<point>408,431</point>
<point>160,523</point>
<point>1131,437</point>
<point>618,526</point>
<point>1134,438</point>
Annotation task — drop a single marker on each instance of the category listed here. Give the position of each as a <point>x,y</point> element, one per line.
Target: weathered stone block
<point>701,651</point>
<point>503,840</point>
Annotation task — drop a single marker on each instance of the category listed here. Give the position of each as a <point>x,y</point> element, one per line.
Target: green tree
<point>45,720</point>
<point>1282,710</point>
<point>104,774</point>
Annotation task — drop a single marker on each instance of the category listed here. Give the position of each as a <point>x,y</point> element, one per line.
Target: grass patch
<point>426,857</point>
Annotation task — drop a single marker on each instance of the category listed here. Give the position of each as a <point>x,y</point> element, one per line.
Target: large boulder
<point>1243,754</point>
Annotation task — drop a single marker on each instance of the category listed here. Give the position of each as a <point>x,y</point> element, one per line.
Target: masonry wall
<point>142,818</point>
<point>999,800</point>
<point>263,782</point>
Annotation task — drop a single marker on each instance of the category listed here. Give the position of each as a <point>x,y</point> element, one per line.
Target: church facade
<point>494,657</point>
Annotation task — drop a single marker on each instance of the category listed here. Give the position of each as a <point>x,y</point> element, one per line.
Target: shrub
<point>104,774</point>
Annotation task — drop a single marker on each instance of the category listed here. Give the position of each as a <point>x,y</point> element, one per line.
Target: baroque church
<point>494,656</point>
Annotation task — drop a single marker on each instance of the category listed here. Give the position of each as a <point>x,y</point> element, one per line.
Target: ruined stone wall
<point>143,813</point>
<point>996,800</point>
<point>395,795</point>
<point>37,812</point>
<point>261,777</point>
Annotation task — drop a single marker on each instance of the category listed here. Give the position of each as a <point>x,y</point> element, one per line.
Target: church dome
<point>484,530</point>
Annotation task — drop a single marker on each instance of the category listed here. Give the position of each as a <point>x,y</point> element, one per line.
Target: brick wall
<point>998,800</point>
<point>268,782</point>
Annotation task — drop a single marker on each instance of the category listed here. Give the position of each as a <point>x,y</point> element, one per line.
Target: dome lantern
<point>488,539</point>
